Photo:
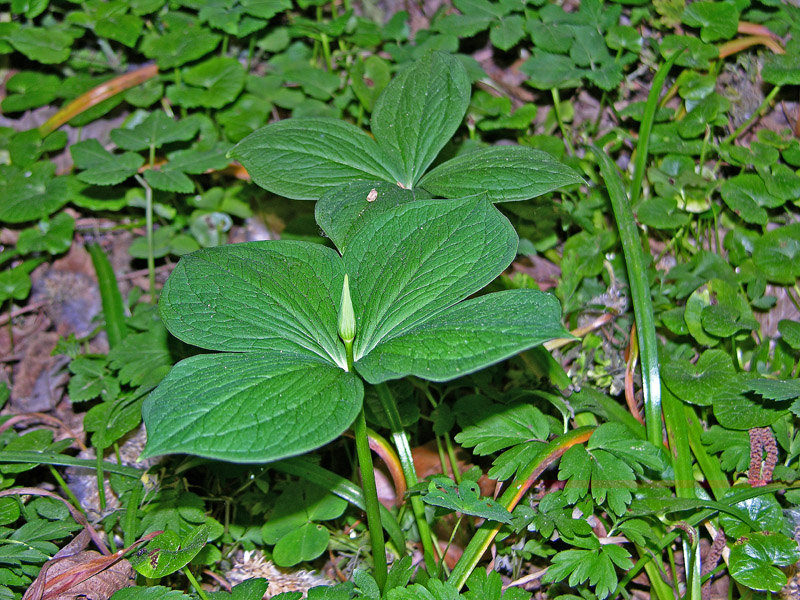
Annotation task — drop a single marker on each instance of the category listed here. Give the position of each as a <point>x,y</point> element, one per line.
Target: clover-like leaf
<point>504,173</point>
<point>418,112</point>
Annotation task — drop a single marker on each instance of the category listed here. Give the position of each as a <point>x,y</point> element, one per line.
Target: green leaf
<point>547,71</point>
<point>765,513</point>
<point>211,84</point>
<point>167,553</point>
<point>303,158</point>
<point>465,498</point>
<point>265,9</point>
<point>781,69</point>
<point>176,48</point>
<point>790,332</point>
<point>596,566</point>
<point>100,166</point>
<point>697,55</point>
<point>552,36</point>
<point>504,173</point>
<point>234,407</point>
<point>662,213</point>
<point>508,32</point>
<point>91,380</point>
<point>307,542</point>
<point>344,210</point>
<point>489,587</point>
<point>169,181</point>
<point>14,283</point>
<point>717,20</point>
<point>505,426</point>
<point>418,112</point>
<point>754,560</point>
<point>250,589</point>
<point>220,299</point>
<point>54,236</point>
<point>712,377</point>
<point>776,390</point>
<point>156,130</point>
<point>777,254</point>
<point>29,89</point>
<point>45,45</point>
<point>747,196</point>
<point>143,358</point>
<point>31,194</point>
<point>466,337</point>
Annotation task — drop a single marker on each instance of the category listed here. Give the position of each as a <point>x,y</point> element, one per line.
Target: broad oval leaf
<point>504,173</point>
<point>419,258</point>
<point>251,407</point>
<point>263,296</point>
<point>418,112</point>
<point>167,553</point>
<point>467,337</point>
<point>303,158</point>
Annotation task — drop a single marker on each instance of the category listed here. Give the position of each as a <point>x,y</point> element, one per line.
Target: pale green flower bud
<point>347,318</point>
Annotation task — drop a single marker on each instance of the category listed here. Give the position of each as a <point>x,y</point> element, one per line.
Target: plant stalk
<point>371,502</point>
<point>410,473</point>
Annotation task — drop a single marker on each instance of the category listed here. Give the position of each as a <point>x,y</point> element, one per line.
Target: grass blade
<point>113,308</point>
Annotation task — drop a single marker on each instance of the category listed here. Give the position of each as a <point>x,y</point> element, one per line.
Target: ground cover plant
<point>443,300</point>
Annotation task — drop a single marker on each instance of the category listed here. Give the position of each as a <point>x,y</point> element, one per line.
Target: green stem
<point>648,118</point>
<point>560,120</point>
<point>640,293</point>
<point>101,488</point>
<point>371,499</point>
<point>525,478</point>
<point>410,473</point>
<point>195,583</point>
<point>151,262</point>
<point>678,436</point>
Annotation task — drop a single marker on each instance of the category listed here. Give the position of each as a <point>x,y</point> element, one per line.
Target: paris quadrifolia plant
<point>295,329</point>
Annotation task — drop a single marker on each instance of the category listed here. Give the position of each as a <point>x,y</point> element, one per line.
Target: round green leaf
<point>777,254</point>
<point>764,511</point>
<point>307,542</point>
<point>754,560</point>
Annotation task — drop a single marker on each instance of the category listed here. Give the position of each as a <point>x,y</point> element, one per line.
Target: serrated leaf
<point>142,358</point>
<point>504,173</point>
<point>781,69</point>
<point>156,130</point>
<point>617,439</point>
<point>196,162</point>
<point>91,380</point>
<point>265,9</point>
<point>303,158</point>
<point>169,181</point>
<point>779,391</point>
<point>240,416</point>
<point>167,552</point>
<point>464,498</point>
<point>754,560</point>
<point>100,166</point>
<point>176,48</point>
<point>547,71</point>
<point>14,283</point>
<point>250,589</point>
<point>503,427</point>
<point>596,566</point>
<point>508,32</point>
<point>418,112</point>
<point>210,84</point>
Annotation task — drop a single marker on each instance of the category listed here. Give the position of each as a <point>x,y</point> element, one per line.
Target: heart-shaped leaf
<point>303,158</point>
<point>754,560</point>
<point>418,113</point>
<point>504,173</point>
